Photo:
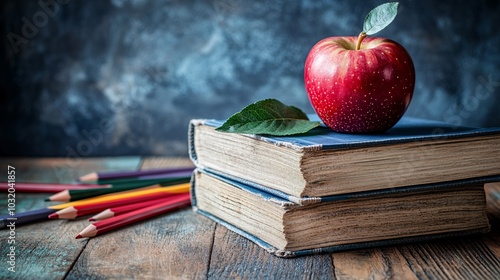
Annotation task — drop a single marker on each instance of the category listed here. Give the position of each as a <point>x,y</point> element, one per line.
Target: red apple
<point>365,90</point>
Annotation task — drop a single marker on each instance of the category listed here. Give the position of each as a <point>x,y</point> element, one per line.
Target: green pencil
<point>126,180</point>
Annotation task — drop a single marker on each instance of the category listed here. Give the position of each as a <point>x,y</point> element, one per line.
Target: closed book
<point>345,221</point>
<point>324,163</point>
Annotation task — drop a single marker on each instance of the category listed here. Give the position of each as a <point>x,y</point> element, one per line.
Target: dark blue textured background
<point>118,77</point>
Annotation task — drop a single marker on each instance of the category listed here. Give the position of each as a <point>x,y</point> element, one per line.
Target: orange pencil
<point>75,211</point>
<point>115,211</point>
<point>63,196</point>
<point>135,216</point>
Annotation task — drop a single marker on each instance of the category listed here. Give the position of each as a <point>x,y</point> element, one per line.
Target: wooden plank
<point>51,241</point>
<point>381,263</point>
<point>233,256</point>
<point>175,245</point>
<point>46,250</point>
<point>456,258</point>
<point>474,257</point>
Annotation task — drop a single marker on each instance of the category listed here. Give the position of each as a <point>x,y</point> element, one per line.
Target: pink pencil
<point>115,211</point>
<point>135,216</point>
<point>45,187</point>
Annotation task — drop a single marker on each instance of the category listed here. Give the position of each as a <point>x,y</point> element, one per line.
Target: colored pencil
<point>175,189</point>
<point>72,195</point>
<point>25,217</point>
<point>43,213</point>
<point>73,212</point>
<point>47,187</point>
<point>135,173</point>
<point>118,210</point>
<point>65,196</point>
<point>134,216</point>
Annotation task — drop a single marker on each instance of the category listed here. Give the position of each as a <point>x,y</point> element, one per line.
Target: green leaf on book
<point>378,18</point>
<point>271,117</point>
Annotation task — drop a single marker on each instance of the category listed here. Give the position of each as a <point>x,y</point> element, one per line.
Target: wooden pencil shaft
<point>103,215</point>
<point>66,213</point>
<point>89,231</point>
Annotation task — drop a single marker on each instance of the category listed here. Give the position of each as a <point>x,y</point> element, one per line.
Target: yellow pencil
<point>42,214</point>
<point>181,188</point>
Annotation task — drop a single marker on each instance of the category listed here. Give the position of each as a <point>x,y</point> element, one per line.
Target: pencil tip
<point>89,177</point>
<point>63,196</point>
<point>53,216</point>
<point>78,236</point>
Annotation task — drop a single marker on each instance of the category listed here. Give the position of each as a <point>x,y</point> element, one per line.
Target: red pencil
<point>73,212</point>
<point>119,210</point>
<point>134,216</point>
<point>47,187</point>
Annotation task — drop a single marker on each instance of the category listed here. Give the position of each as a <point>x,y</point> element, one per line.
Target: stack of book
<point>323,191</point>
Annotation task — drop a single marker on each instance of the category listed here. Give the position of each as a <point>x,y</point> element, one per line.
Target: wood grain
<point>175,245</point>
<point>48,249</point>
<point>234,257</point>
<point>380,263</point>
<point>473,257</point>
<point>455,258</point>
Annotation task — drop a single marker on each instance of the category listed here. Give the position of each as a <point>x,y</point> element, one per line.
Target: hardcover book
<point>344,221</point>
<point>324,163</point>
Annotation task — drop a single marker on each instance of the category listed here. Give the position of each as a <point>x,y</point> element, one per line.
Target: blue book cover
<point>408,129</point>
<point>322,162</point>
<point>237,224</point>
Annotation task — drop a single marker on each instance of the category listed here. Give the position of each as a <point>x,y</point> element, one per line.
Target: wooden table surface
<point>186,245</point>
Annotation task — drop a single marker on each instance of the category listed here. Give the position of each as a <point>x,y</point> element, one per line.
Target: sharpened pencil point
<point>89,177</point>
<point>54,216</point>
<point>63,196</point>
<point>78,236</point>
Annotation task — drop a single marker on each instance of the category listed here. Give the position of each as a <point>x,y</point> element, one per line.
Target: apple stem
<point>361,37</point>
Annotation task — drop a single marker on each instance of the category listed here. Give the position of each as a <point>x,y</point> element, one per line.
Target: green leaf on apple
<point>378,18</point>
<point>268,116</point>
